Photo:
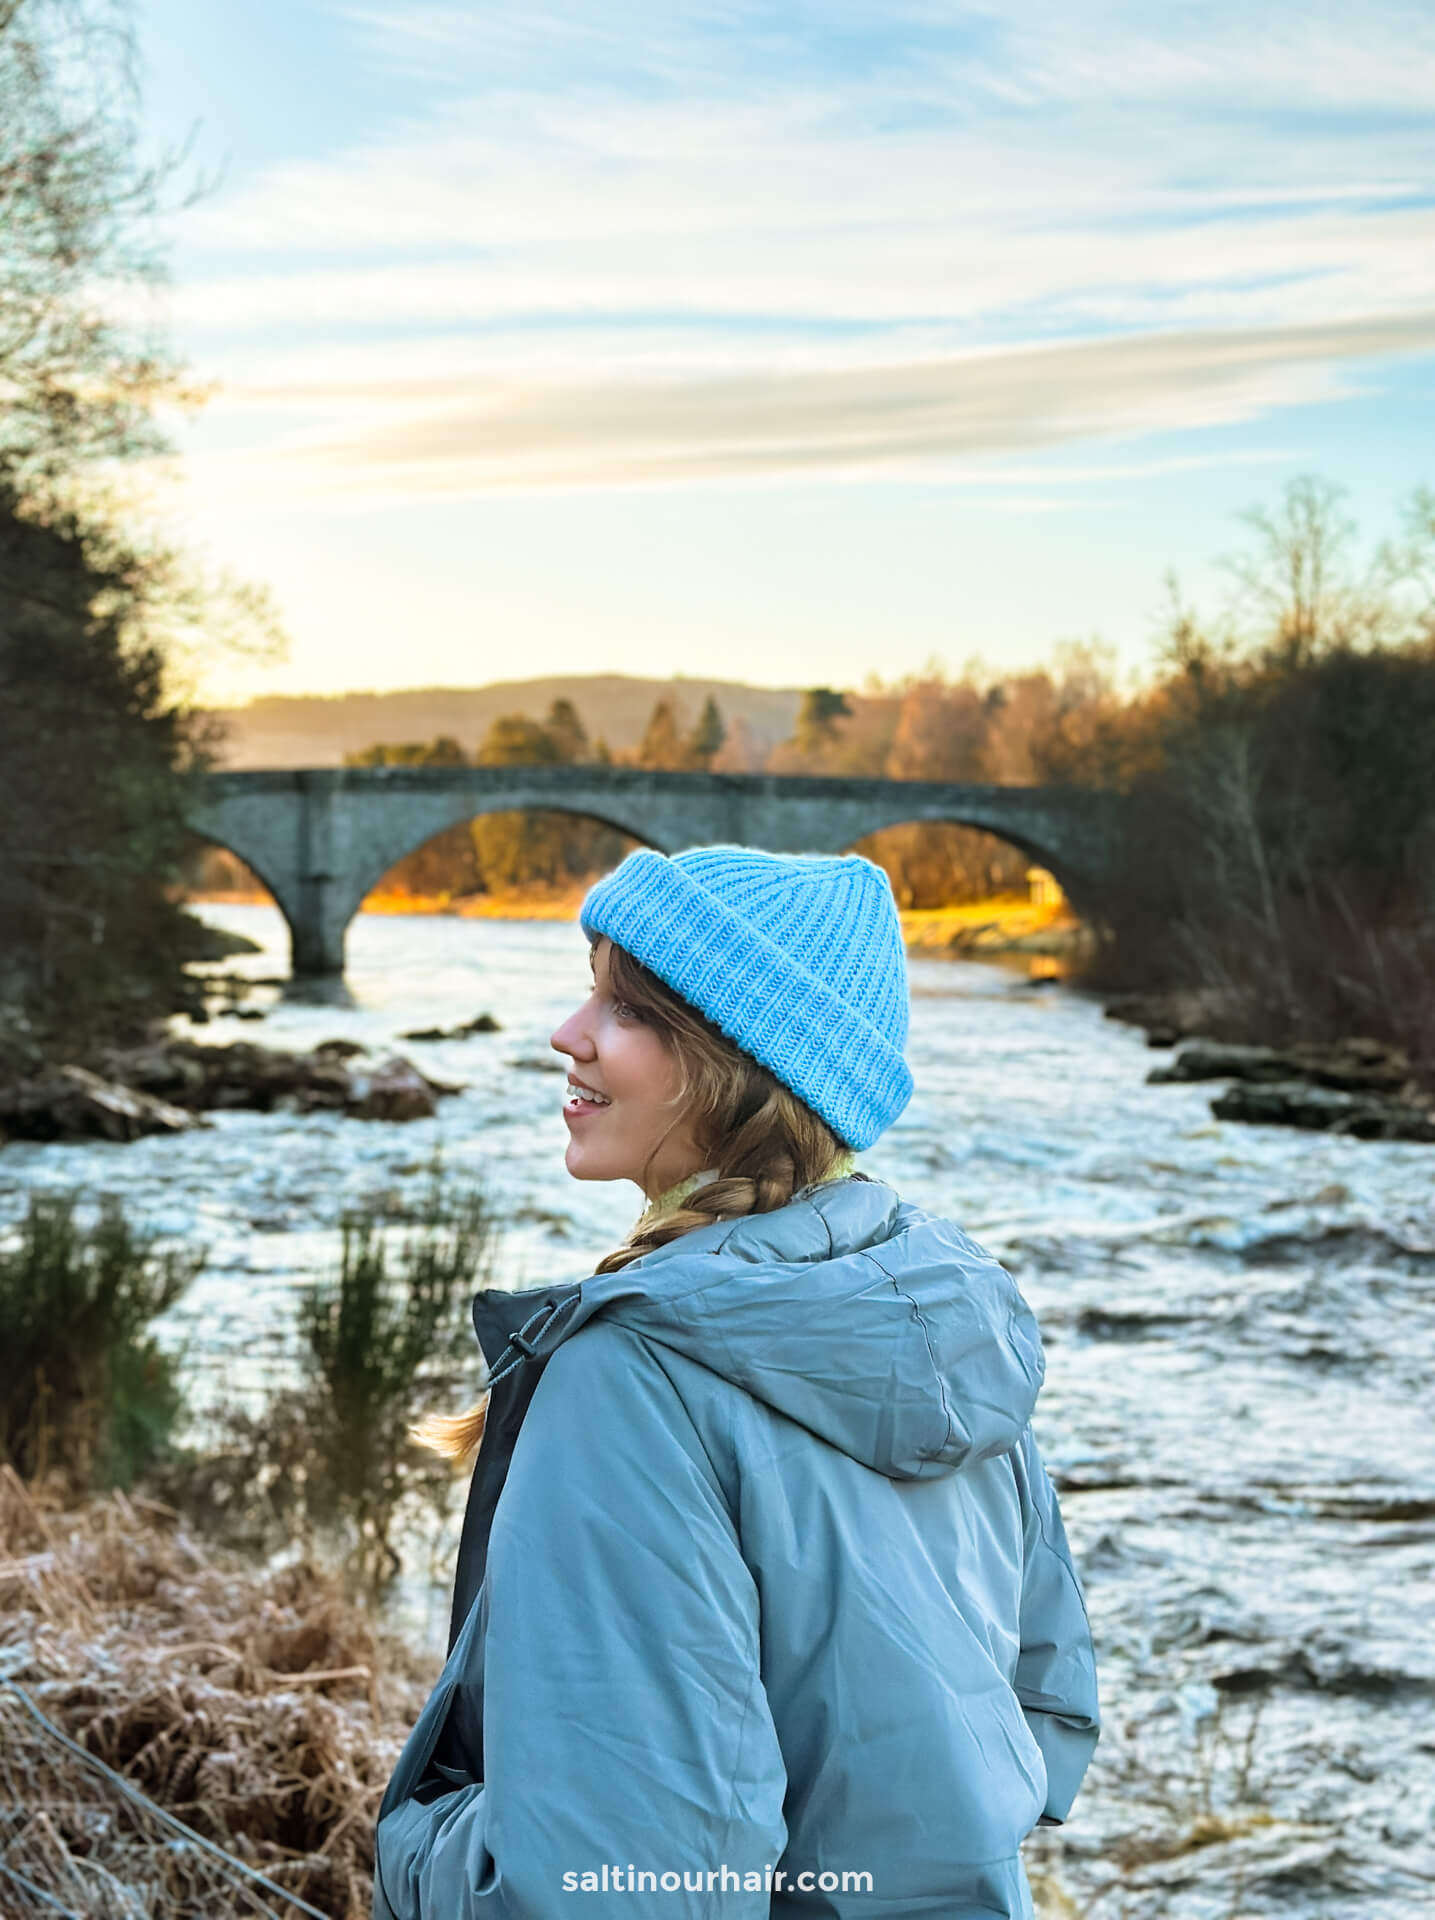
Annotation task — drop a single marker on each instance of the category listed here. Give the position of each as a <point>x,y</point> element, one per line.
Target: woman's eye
<point>625,1011</point>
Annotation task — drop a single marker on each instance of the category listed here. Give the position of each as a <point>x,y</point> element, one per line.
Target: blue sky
<point>788,342</point>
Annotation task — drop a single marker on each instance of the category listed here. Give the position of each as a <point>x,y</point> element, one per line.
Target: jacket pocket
<point>462,1674</point>
<point>418,1748</point>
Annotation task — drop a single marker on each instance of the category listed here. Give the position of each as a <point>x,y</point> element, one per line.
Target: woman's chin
<point>582,1166</point>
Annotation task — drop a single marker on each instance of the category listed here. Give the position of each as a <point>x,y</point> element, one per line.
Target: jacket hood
<point>883,1329</point>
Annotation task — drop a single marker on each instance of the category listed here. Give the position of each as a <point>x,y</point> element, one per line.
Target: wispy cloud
<point>973,274</point>
<point>951,417</point>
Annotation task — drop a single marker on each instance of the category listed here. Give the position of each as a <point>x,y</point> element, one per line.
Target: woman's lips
<point>576,1108</point>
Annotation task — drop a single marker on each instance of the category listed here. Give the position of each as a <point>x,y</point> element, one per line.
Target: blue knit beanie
<point>797,958</point>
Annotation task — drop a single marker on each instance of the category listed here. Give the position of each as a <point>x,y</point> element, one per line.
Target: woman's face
<point>632,1132</point>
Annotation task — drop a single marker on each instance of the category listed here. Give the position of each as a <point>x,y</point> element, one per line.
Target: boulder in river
<point>1357,1085</point>
<point>393,1090</point>
<point>1223,1060</point>
<point>241,1074</point>
<point>1298,1103</point>
<point>481,1023</point>
<point>1354,1065</point>
<point>336,1077</point>
<point>71,1103</point>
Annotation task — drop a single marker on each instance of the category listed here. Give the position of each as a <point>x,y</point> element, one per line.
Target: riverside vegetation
<point>89,1399</point>
<point>196,1613</point>
<point>99,751</point>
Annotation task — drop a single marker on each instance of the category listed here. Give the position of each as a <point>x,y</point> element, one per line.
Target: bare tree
<point>1410,562</point>
<point>1297,591</point>
<point>80,368</point>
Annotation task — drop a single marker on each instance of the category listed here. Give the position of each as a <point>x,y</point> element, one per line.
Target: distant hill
<point>318,730</point>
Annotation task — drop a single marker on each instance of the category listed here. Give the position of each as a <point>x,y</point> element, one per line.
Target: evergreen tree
<point>96,767</point>
<point>567,732</point>
<point>817,718</point>
<point>707,737</point>
<point>513,740</point>
<point>662,745</point>
<point>97,761</point>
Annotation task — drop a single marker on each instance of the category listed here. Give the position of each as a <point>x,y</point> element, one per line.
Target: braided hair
<point>760,1142</point>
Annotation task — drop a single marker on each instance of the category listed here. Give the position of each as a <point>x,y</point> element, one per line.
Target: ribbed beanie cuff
<point>798,959</point>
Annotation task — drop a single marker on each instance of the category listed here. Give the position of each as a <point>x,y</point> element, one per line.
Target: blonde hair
<point>760,1142</point>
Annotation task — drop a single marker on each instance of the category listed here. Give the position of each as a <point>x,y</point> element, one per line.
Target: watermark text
<point>611,1877</point>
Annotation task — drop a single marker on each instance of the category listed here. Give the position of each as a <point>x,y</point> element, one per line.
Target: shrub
<point>86,1391</point>
<point>1279,842</point>
<point>328,1459</point>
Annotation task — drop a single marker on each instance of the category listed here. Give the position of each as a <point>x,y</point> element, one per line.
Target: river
<point>1240,1328</point>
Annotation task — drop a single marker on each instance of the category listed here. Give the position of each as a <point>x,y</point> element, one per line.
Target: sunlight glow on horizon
<point>782,343</point>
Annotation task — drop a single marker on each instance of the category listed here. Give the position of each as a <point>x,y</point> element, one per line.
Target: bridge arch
<point>376,865</point>
<point>202,843</point>
<point>1035,851</point>
<point>552,844</point>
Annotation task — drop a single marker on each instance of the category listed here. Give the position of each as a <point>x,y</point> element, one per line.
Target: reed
<point>327,1461</point>
<point>86,1392</point>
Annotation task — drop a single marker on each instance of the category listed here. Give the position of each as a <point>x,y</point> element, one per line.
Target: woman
<point>775,1615</point>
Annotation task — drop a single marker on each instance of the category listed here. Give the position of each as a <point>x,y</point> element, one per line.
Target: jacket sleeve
<point>625,1723</point>
<point>1056,1667</point>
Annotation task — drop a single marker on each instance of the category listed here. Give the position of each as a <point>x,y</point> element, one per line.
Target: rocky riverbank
<point>170,1085</point>
<point>1355,1085</point>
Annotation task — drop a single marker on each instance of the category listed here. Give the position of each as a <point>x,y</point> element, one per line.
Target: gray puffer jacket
<point>764,1604</point>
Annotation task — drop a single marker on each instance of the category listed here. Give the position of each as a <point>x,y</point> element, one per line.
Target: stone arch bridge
<point>321,838</point>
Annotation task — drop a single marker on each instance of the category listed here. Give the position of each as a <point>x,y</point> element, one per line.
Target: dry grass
<point>266,1712</point>
<point>260,1708</point>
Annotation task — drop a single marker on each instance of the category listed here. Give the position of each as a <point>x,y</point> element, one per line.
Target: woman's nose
<point>571,1038</point>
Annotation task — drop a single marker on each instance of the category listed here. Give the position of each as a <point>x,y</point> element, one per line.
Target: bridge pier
<point>320,838</point>
<point>316,932</point>
<point>322,905</point>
